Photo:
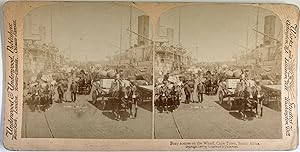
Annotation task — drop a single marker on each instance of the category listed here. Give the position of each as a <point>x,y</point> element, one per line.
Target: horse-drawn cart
<point>121,96</point>
<point>146,93</point>
<point>272,96</point>
<point>249,96</point>
<point>101,89</point>
<point>227,89</point>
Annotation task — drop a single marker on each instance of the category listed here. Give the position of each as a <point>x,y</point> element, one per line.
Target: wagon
<point>227,89</point>
<point>146,93</point>
<point>84,88</point>
<point>272,96</point>
<point>102,90</point>
<point>211,86</point>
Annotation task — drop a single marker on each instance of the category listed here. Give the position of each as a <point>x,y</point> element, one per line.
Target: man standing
<point>115,92</point>
<point>187,91</point>
<point>166,77</point>
<point>196,81</point>
<point>200,91</point>
<point>65,88</point>
<point>60,92</point>
<point>73,90</point>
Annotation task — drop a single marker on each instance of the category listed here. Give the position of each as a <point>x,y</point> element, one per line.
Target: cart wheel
<point>221,97</point>
<point>266,99</point>
<point>261,111</point>
<point>88,90</point>
<point>278,103</point>
<point>94,96</point>
<point>230,104</point>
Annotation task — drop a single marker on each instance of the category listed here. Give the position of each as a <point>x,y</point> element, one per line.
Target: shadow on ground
<point>225,105</point>
<point>249,115</point>
<point>124,115</point>
<point>106,107</point>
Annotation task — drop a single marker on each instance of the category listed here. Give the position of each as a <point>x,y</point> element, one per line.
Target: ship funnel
<point>269,29</point>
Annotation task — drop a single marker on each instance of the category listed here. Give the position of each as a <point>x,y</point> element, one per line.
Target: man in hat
<point>200,91</point>
<point>73,90</point>
<point>115,92</point>
<point>65,88</point>
<point>133,100</point>
<point>187,91</point>
<point>60,91</point>
<point>166,77</point>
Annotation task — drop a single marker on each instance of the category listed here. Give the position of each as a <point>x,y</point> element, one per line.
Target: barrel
<point>111,73</point>
<point>223,70</point>
<point>141,82</point>
<point>229,73</point>
<point>102,73</point>
<point>131,77</point>
<point>139,77</point>
<point>237,73</point>
<point>224,66</point>
<point>266,82</point>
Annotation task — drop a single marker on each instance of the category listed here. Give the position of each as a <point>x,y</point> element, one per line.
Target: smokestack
<point>143,29</point>
<point>27,26</point>
<point>269,29</point>
<point>170,35</point>
<point>157,28</point>
<point>42,33</point>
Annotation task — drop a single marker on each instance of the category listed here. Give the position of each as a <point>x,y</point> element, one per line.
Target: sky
<point>217,32</point>
<point>86,31</point>
<point>91,31</point>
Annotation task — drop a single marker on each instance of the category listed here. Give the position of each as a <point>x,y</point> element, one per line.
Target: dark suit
<point>60,90</point>
<point>73,90</point>
<point>187,91</point>
<point>200,91</point>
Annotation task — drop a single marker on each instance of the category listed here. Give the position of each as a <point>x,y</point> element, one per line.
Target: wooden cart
<point>272,96</point>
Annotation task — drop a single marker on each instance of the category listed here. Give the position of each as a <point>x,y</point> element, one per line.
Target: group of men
<point>38,95</point>
<point>170,93</point>
<point>249,96</point>
<point>193,86</point>
<point>123,93</point>
<point>62,88</point>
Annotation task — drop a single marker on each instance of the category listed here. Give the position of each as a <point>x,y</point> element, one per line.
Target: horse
<point>208,85</point>
<point>124,97</point>
<point>178,94</point>
<point>250,98</point>
<point>35,99</point>
<point>173,97</point>
<point>131,96</point>
<point>162,98</point>
<point>115,99</point>
<point>256,98</point>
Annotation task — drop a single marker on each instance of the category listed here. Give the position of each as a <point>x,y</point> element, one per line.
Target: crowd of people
<point>40,91</point>
<point>174,89</point>
<point>190,87</point>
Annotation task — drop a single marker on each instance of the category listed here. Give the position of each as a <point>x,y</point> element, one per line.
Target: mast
<point>51,39</point>
<point>179,26</point>
<point>130,34</point>
<point>130,25</point>
<point>256,27</point>
<point>247,36</point>
<point>51,30</point>
<point>120,43</point>
<point>247,39</point>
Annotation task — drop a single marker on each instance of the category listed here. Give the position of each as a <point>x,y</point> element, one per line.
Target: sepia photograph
<point>87,72</point>
<point>136,76</point>
<point>217,73</point>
